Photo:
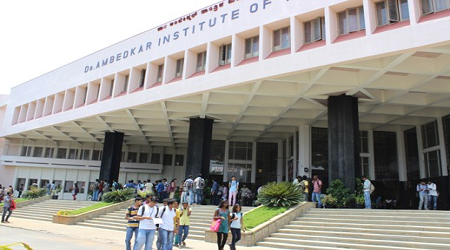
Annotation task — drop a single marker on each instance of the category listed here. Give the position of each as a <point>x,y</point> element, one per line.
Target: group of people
<point>146,219</point>
<point>6,196</point>
<point>428,194</point>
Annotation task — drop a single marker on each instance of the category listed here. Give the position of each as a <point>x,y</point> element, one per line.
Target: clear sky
<point>38,36</point>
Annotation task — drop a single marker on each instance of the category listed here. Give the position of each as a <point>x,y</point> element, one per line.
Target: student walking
<point>133,223</point>
<point>183,230</point>
<point>432,195</point>
<point>147,227</point>
<point>75,191</point>
<point>7,207</point>
<point>234,187</point>
<point>366,188</point>
<point>222,213</point>
<point>169,226</point>
<point>422,189</point>
<point>317,191</point>
<point>237,224</point>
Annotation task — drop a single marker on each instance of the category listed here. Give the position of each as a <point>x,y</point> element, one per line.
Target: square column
<point>343,139</point>
<point>112,154</point>
<point>199,147</point>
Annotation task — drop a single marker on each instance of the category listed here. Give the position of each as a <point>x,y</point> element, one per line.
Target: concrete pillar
<point>343,139</point>
<point>420,152</point>
<point>280,162</point>
<point>112,154</point>
<point>199,147</point>
<point>401,156</point>
<point>304,150</point>
<point>442,147</point>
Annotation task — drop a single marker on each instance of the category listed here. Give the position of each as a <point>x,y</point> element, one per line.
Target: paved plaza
<point>42,235</point>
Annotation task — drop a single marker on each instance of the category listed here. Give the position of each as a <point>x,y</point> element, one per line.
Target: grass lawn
<point>18,200</point>
<point>262,214</point>
<point>84,209</point>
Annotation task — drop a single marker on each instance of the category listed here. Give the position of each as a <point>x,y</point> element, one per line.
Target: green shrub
<point>283,194</point>
<point>342,194</point>
<point>34,193</point>
<point>118,195</point>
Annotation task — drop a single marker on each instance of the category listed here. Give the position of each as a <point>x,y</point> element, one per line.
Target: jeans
<point>199,196</point>
<point>191,196</point>
<point>160,196</point>
<point>183,232</point>
<point>221,239</point>
<point>367,202</point>
<point>130,231</point>
<point>306,196</point>
<point>145,236</point>
<point>236,234</point>
<point>432,200</point>
<point>423,201</point>
<point>95,194</point>
<point>166,239</point>
<point>5,210</point>
<point>232,198</point>
<point>316,197</point>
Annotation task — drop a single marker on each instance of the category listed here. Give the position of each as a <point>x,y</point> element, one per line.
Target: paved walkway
<point>42,235</point>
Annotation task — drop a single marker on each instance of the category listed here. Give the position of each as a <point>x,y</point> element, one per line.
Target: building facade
<point>261,89</point>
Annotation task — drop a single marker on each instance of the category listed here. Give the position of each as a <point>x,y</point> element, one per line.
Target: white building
<point>264,71</point>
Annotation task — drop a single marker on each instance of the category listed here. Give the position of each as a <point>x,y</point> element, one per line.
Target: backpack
<point>95,186</point>
<point>201,183</point>
<point>372,188</point>
<point>302,186</point>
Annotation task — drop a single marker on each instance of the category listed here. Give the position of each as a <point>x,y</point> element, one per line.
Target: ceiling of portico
<point>395,92</point>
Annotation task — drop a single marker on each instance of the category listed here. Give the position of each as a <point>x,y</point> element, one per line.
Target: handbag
<point>13,205</point>
<point>215,225</point>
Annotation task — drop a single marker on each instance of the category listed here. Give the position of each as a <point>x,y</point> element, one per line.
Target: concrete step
<point>378,211</point>
<point>403,217</point>
<point>369,220</point>
<point>313,245</point>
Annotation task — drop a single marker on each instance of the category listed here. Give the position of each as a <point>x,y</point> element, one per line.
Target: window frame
<point>201,57</point>
<point>160,73</point>
<point>387,9</point>
<point>225,54</point>
<point>312,34</point>
<point>432,6</point>
<point>358,17</point>
<point>179,67</point>
<point>278,47</point>
<point>252,53</point>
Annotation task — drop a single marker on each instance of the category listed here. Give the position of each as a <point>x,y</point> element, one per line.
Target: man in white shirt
<point>169,226</point>
<point>149,187</point>
<point>147,228</point>
<point>432,195</point>
<point>198,189</point>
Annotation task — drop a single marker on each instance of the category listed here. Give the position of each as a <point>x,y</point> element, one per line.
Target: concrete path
<point>41,235</point>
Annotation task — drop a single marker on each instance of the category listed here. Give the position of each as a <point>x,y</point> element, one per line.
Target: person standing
<point>317,190</point>
<point>95,190</point>
<point>166,187</point>
<point>149,187</point>
<point>297,180</point>
<point>199,184</point>
<point>214,193</point>
<point>237,224</point>
<point>133,223</point>
<point>183,230</point>
<point>75,191</point>
<point>147,227</point>
<point>432,195</point>
<point>52,188</point>
<point>222,213</point>
<point>234,187</point>
<point>160,190</point>
<point>422,189</point>
<point>48,186</point>
<point>190,192</point>
<point>20,190</point>
<point>305,184</point>
<point>168,228</point>
<point>366,188</point>
<point>7,207</point>
<point>172,188</point>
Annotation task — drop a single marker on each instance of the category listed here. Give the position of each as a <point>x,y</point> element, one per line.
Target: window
<point>225,54</point>
<point>365,166</point>
<point>240,151</point>
<point>430,135</point>
<point>155,159</point>
<point>132,157</point>
<point>179,160</point>
<point>431,6</point>
<point>179,69</point>
<point>242,172</point>
<point>26,151</point>
<point>61,153</point>
<point>432,164</point>
<point>391,11</point>
<point>281,39</point>
<point>167,161</point>
<point>315,30</point>
<point>73,153</point>
<point>216,159</point>
<point>81,186</point>
<point>97,155</point>
<point>201,61</point>
<point>38,151</point>
<point>68,187</point>
<point>351,20</point>
<point>84,92</point>
<point>142,78</point>
<point>125,85</point>
<point>49,152</point>
<point>252,47</point>
<point>364,141</point>
<point>143,157</point>
<point>111,87</point>
<point>160,73</point>
<point>85,154</point>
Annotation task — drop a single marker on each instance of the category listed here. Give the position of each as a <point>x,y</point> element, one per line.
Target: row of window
<point>96,155</point>
<point>349,21</point>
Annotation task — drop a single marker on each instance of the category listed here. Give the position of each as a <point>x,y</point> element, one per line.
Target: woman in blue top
<point>237,223</point>
<point>222,214</point>
<point>234,187</point>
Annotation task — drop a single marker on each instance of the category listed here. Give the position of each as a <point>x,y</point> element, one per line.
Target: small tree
<point>283,194</point>
<point>342,194</point>
<point>118,195</point>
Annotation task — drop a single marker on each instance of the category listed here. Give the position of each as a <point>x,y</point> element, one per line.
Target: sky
<point>40,36</point>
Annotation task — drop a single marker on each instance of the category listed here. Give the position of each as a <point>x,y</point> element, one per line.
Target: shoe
<point>3,221</point>
<point>6,221</point>
<point>184,243</point>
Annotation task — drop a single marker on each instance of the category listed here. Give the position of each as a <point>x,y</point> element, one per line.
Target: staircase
<point>364,229</point>
<point>45,210</point>
<point>200,221</point>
